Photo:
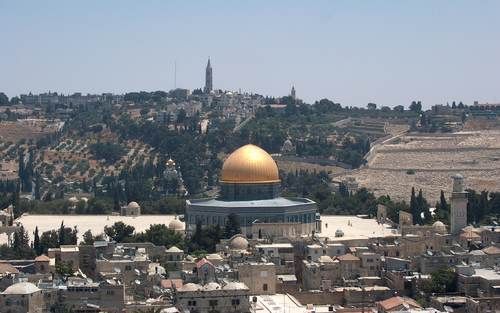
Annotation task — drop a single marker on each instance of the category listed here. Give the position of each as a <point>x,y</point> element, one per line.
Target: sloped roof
<point>23,288</point>
<point>174,249</point>
<point>394,302</point>
<point>42,258</point>
<point>7,268</point>
<point>171,283</point>
<point>491,250</point>
<point>348,257</point>
<point>202,262</point>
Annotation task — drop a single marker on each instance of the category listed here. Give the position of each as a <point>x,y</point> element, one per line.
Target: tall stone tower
<point>208,77</point>
<point>292,93</point>
<point>458,214</point>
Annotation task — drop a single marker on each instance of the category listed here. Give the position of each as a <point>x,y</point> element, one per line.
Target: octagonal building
<point>250,188</point>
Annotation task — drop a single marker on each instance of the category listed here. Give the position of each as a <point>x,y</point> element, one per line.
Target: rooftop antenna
<point>175,74</point>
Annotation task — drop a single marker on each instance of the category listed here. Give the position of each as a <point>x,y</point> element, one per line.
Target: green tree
<point>414,209</point>
<point>49,239</point>
<point>88,238</point>
<point>119,232</point>
<point>64,269</point>
<point>416,106</point>
<point>160,235</point>
<point>4,100</point>
<point>36,242</point>
<point>232,226</point>
<point>423,207</point>
<point>443,280</point>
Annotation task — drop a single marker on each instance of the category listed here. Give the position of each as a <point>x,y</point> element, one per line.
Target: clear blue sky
<point>354,52</point>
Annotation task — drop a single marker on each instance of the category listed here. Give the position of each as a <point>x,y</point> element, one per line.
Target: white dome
<point>235,286</point>
<point>21,289</point>
<point>176,225</point>
<point>73,200</point>
<point>211,286</point>
<point>133,205</point>
<point>325,259</point>
<point>238,242</point>
<point>190,287</point>
<point>213,256</point>
<point>439,227</point>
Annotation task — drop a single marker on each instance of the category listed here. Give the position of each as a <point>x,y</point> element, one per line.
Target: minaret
<point>292,93</point>
<point>458,213</point>
<point>208,78</point>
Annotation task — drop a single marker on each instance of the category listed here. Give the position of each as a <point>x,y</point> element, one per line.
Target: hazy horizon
<point>386,52</point>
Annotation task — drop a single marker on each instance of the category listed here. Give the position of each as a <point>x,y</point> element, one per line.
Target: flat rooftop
<point>354,227</point>
<point>279,303</point>
<point>275,202</point>
<point>488,274</point>
<point>83,223</point>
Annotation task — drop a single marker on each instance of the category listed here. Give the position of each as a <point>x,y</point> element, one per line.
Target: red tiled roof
<point>491,250</point>
<point>7,268</point>
<point>202,262</point>
<point>394,302</point>
<point>171,283</point>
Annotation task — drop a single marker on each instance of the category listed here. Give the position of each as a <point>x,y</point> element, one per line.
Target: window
<point>264,287</point>
<point>128,268</point>
<point>235,302</point>
<point>191,303</point>
<point>110,292</point>
<point>212,302</point>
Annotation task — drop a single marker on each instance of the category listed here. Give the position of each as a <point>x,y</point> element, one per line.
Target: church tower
<point>208,78</point>
<point>458,213</point>
<point>292,93</point>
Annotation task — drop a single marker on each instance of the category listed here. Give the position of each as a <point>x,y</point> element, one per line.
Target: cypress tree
<point>61,234</point>
<point>414,207</point>
<point>36,242</point>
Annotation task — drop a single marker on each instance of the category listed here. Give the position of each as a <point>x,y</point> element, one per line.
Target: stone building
<point>232,297</point>
<point>22,297</point>
<point>131,209</point>
<point>67,254</point>
<point>259,277</point>
<point>281,254</point>
<point>458,211</point>
<point>80,294</point>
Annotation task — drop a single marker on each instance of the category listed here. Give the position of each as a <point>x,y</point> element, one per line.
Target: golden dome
<point>249,165</point>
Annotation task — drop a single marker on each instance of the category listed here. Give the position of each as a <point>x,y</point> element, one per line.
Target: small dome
<point>190,287</point>
<point>439,227</point>
<point>42,258</point>
<point>23,288</point>
<point>176,225</point>
<point>213,256</point>
<point>133,205</point>
<point>174,249</point>
<point>325,259</point>
<point>73,200</point>
<point>235,285</point>
<point>238,242</point>
<point>211,286</point>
